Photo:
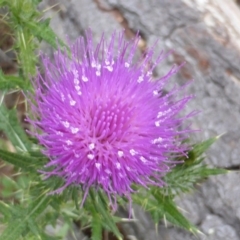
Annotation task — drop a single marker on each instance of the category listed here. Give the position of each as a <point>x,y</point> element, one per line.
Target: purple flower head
<point>105,121</point>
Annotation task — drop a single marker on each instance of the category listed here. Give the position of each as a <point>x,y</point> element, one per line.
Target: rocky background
<point>205,34</point>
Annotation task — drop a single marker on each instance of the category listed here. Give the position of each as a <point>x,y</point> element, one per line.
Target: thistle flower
<point>104,121</point>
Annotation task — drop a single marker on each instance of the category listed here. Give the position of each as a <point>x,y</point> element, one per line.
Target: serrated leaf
<point>183,177</point>
<point>150,205</point>
<point>21,161</point>
<point>14,230</point>
<point>12,128</point>
<point>43,32</point>
<point>161,207</point>
<point>26,53</point>
<point>199,149</point>
<point>101,207</point>
<point>33,227</point>
<point>172,214</point>
<point>12,82</point>
<point>18,225</point>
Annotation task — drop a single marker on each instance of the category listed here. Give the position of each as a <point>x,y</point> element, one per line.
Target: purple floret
<point>104,121</point>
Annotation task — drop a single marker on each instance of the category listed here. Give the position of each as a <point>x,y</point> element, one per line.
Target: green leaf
<point>199,149</point>
<point>150,205</point>
<point>207,172</point>
<point>21,161</point>
<point>171,213</point>
<point>100,206</point>
<point>12,82</point>
<point>183,176</point>
<point>3,3</point>
<point>27,58</point>
<point>96,225</point>
<point>43,32</point>
<point>9,186</point>
<point>17,225</point>
<point>5,209</point>
<point>14,230</point>
<point>160,206</point>
<point>12,128</point>
<point>33,227</point>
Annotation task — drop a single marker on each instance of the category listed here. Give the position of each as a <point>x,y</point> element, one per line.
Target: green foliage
<point>23,219</point>
<point>39,209</point>
<point>159,202</point>
<point>162,207</point>
<point>100,211</point>
<point>26,208</point>
<point>43,32</point>
<point>96,226</point>
<point>8,82</point>
<point>20,161</point>
<point>26,58</point>
<point>28,30</point>
<point>5,210</point>
<point>12,128</point>
<point>183,177</point>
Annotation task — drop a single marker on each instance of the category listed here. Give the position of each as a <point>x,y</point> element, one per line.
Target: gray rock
<point>215,228</point>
